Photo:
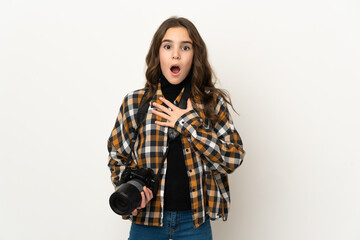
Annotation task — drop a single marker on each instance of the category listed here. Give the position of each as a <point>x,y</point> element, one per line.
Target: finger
<point>165,124</point>
<point>134,213</point>
<point>160,114</point>
<point>162,108</point>
<point>143,200</point>
<point>147,194</point>
<point>168,103</point>
<point>151,194</point>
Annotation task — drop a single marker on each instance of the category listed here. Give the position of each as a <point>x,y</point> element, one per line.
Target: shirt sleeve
<point>119,142</point>
<point>220,146</point>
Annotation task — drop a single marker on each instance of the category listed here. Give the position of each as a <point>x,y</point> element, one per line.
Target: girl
<point>193,147</point>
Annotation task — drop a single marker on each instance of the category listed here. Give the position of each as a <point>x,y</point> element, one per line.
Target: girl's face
<point>176,54</point>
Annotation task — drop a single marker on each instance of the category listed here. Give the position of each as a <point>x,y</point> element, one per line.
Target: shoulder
<point>132,99</point>
<point>131,103</point>
<point>218,101</point>
<point>220,104</point>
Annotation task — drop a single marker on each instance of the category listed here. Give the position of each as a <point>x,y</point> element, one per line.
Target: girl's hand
<point>146,196</point>
<point>170,115</point>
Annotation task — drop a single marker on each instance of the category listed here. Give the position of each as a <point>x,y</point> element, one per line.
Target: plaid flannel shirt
<point>210,154</point>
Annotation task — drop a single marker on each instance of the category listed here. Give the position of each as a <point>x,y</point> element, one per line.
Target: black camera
<point>128,195</point>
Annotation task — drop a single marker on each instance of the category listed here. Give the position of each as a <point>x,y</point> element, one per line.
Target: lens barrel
<point>127,197</point>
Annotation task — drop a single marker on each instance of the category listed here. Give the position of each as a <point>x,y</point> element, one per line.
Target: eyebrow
<point>171,41</point>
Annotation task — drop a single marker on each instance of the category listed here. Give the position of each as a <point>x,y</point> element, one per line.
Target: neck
<point>171,91</point>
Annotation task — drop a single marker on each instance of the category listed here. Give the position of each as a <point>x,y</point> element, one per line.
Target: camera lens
<point>120,204</point>
<point>127,197</point>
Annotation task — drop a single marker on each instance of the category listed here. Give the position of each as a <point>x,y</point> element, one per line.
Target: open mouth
<point>175,69</point>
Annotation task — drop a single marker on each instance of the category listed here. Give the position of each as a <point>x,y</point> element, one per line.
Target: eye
<point>186,48</point>
<point>167,46</point>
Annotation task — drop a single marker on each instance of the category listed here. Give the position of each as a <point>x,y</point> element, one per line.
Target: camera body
<point>128,195</point>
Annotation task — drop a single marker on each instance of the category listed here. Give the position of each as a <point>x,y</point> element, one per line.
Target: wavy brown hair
<point>202,84</point>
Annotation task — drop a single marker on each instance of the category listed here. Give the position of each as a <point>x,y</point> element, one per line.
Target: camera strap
<point>139,118</point>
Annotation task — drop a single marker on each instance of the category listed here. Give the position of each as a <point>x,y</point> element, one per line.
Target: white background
<point>291,67</point>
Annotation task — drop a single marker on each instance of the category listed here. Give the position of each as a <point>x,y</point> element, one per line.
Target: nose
<point>175,54</point>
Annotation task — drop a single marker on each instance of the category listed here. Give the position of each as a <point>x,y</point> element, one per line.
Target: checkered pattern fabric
<point>211,151</point>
